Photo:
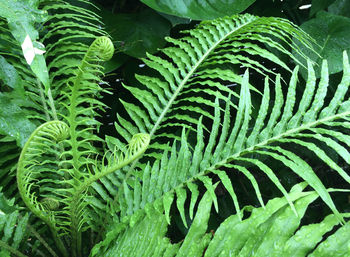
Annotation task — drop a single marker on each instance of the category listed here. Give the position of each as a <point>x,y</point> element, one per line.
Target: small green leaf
<point>192,245</point>
<point>194,196</point>
<point>180,202</point>
<point>6,206</point>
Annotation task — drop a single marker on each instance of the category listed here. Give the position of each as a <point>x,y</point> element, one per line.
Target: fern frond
<point>39,177</point>
<point>270,136</point>
<point>83,88</point>
<point>77,199</point>
<point>9,153</point>
<point>221,42</point>
<point>13,233</point>
<point>273,230</point>
<point>70,30</point>
<point>186,88</point>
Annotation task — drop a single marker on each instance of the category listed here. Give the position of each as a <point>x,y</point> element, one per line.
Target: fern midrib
<point>73,124</point>
<point>4,245</point>
<point>259,145</point>
<point>74,226</point>
<point>276,138</point>
<point>186,78</point>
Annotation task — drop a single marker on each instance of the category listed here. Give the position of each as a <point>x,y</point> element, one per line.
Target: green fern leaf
<point>13,232</point>
<point>261,140</point>
<point>274,230</point>
<point>219,41</point>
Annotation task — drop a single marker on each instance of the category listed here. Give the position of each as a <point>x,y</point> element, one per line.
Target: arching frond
<point>56,199</point>
<point>269,138</point>
<point>270,231</point>
<point>187,81</point>
<point>196,68</point>
<point>39,179</point>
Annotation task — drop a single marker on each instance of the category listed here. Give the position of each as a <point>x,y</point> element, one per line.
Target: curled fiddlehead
<point>76,203</point>
<point>102,48</point>
<point>39,176</point>
<point>37,161</point>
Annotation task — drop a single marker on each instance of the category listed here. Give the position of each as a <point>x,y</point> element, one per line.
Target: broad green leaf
<point>137,33</point>
<point>6,206</point>
<point>340,7</point>
<point>336,245</point>
<point>307,237</point>
<point>114,63</point>
<point>175,20</point>
<point>23,18</point>
<point>14,121</point>
<point>199,10</point>
<point>196,240</point>
<point>332,34</point>
<point>319,5</point>
<point>8,74</point>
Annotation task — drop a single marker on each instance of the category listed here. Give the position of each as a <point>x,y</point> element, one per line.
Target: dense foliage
<point>231,140</point>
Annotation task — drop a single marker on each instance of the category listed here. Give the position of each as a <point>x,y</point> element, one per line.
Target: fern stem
<point>59,242</point>
<point>43,100</point>
<point>50,101</point>
<point>42,240</point>
<point>52,104</point>
<point>4,245</point>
